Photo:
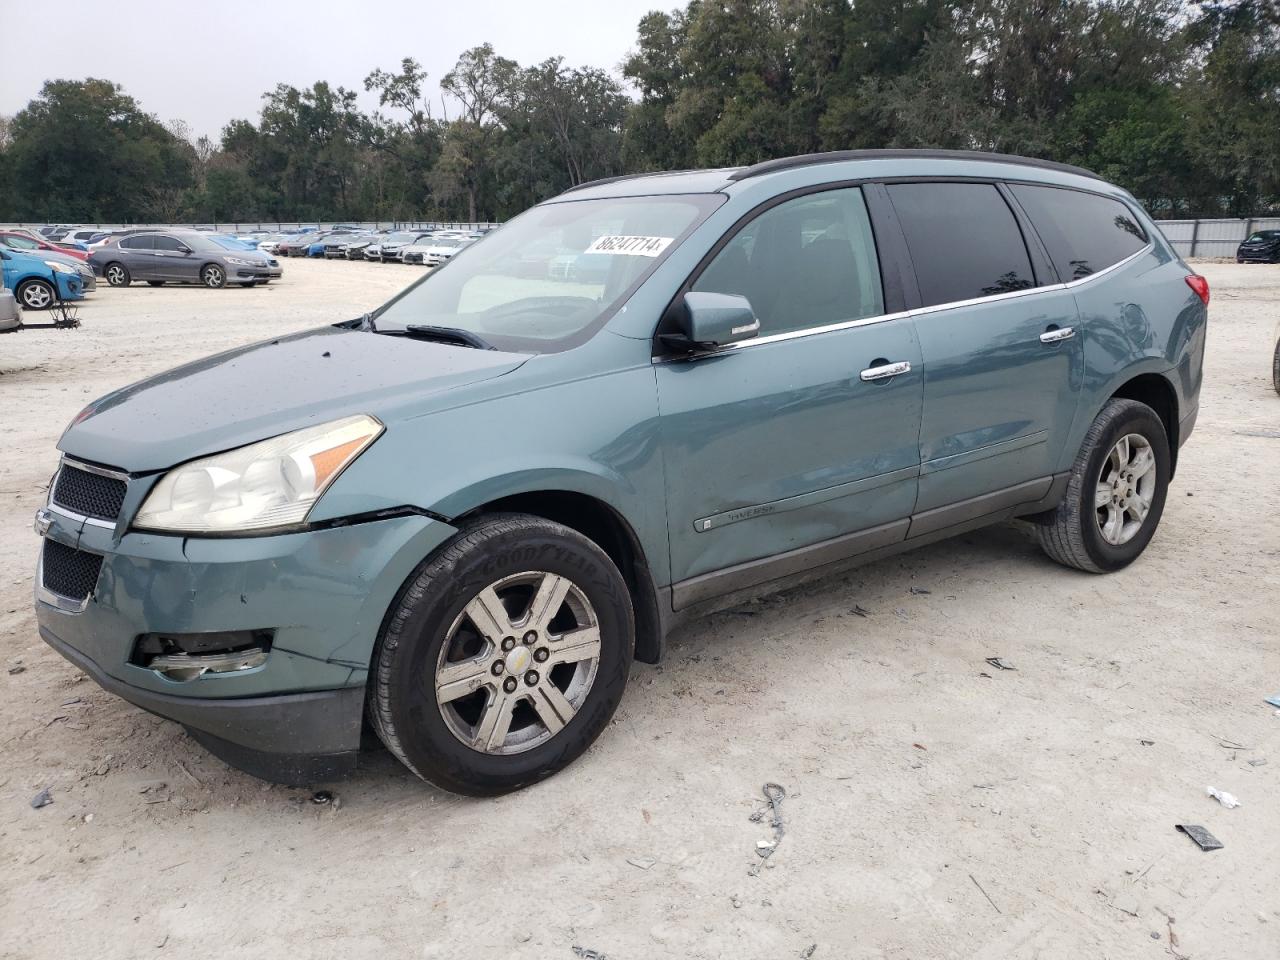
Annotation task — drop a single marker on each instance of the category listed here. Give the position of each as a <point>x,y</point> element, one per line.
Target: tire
<point>36,295</point>
<point>117,274</point>
<point>155,283</point>
<point>510,558</point>
<point>1073,533</point>
<point>213,276</point>
<point>1275,367</point>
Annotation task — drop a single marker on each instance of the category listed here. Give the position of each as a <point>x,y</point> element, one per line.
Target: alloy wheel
<point>518,663</point>
<point>115,275</point>
<point>1126,486</point>
<point>37,296</point>
<point>212,276</point>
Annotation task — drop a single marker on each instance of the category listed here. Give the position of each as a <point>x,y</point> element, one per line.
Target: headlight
<point>59,267</point>
<point>239,262</point>
<point>269,484</point>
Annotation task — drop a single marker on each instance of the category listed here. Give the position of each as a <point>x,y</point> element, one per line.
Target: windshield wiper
<point>466,338</point>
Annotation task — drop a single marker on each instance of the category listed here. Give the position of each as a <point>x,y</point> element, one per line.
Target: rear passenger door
<point>1002,358</point>
<point>138,254</point>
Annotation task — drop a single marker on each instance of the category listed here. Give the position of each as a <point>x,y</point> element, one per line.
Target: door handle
<point>1057,333</point>
<point>885,371</point>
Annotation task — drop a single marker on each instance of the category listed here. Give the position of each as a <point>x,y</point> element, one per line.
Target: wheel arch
<point>1155,390</point>
<point>605,526</point>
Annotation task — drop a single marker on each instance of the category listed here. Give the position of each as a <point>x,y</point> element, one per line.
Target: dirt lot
<point>937,807</point>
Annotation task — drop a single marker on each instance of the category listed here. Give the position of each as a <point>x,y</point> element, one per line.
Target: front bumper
<point>70,286</point>
<point>323,593</point>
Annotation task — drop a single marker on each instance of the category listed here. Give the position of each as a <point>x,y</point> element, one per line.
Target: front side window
<point>551,277</point>
<point>1083,232</point>
<point>168,244</point>
<point>964,241</point>
<point>808,262</point>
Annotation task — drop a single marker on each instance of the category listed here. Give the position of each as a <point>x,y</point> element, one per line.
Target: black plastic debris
<point>920,591</point>
<point>1203,838</point>
<point>1000,664</point>
<point>322,796</point>
<point>41,799</point>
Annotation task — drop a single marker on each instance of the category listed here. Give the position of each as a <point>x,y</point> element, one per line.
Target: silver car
<point>181,256</point>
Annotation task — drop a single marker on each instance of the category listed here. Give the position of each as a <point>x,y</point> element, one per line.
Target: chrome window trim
<point>919,311</point>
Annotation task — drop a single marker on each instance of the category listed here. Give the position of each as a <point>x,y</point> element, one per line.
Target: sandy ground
<point>937,807</point>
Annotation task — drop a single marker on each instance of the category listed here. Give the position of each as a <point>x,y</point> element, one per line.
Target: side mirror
<point>183,248</point>
<point>717,319</point>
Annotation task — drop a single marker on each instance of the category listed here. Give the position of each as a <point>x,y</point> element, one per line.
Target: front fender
<point>596,435</point>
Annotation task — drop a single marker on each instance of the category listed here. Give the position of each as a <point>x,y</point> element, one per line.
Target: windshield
<point>1265,235</point>
<point>550,278</point>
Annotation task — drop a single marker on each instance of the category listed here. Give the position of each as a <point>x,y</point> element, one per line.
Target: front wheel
<point>1115,494</point>
<point>37,295</point>
<point>212,276</point>
<point>504,657</point>
<point>1275,367</point>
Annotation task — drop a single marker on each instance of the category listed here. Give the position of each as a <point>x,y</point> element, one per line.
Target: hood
<point>270,388</point>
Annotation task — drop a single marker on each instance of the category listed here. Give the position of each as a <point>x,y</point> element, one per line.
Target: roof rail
<point>630,176</point>
<point>836,156</point>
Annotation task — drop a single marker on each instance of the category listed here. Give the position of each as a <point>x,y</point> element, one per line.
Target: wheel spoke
<point>489,616</point>
<point>546,603</point>
<point>495,722</point>
<point>1143,462</point>
<point>1102,496</point>
<point>1121,453</point>
<point>573,647</point>
<point>551,707</point>
<point>456,680</point>
<point>1138,506</point>
<point>1114,526</point>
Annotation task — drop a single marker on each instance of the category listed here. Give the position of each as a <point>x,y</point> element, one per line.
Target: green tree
<point>85,151</point>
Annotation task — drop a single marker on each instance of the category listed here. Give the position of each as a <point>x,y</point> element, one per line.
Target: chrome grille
<point>88,494</point>
<point>69,572</point>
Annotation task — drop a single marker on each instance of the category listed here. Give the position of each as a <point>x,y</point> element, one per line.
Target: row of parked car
<point>422,247</point>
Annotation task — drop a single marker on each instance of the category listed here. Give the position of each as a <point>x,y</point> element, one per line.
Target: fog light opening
<point>189,656</point>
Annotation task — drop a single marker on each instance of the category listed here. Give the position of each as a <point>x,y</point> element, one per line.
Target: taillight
<point>1200,285</point>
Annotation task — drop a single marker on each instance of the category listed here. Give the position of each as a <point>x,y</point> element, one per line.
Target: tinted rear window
<point>1083,232</point>
<point>964,240</point>
<point>144,242</point>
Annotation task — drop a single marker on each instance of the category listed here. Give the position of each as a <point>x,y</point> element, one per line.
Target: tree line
<point>1178,101</point>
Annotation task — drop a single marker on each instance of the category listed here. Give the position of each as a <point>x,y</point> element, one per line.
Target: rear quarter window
<point>1083,232</point>
<point>964,240</point>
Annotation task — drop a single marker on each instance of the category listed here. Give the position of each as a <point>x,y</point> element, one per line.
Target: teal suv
<point>459,518</point>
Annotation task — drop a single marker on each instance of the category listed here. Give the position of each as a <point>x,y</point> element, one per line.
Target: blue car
<point>39,283</point>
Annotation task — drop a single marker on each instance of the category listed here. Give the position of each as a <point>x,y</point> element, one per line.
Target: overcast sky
<point>210,63</point>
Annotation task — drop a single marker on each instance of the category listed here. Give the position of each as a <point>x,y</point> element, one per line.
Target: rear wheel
<point>1115,494</point>
<point>37,295</point>
<point>212,276</point>
<point>117,274</point>
<point>504,657</point>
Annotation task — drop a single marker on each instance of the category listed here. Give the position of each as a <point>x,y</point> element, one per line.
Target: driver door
<point>793,449</point>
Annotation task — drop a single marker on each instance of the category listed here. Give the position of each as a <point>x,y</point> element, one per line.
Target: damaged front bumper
<point>301,613</point>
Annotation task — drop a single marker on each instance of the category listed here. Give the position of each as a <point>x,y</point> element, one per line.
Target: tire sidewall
<point>420,626</point>
<point>124,274</point>
<point>1144,421</point>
